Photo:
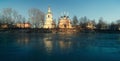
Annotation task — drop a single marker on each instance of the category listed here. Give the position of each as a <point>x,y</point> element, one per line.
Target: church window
<point>48,16</point>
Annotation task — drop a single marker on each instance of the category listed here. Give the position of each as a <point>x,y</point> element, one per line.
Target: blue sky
<point>93,9</point>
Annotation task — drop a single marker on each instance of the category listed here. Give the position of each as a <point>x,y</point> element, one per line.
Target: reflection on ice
<point>23,39</point>
<point>65,44</point>
<point>54,46</point>
<point>59,43</point>
<point>48,45</point>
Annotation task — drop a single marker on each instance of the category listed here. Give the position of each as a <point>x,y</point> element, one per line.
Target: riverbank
<point>38,30</point>
<point>41,30</point>
<point>26,30</point>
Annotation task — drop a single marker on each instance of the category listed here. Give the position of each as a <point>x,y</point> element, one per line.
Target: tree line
<point>11,17</point>
<point>100,25</point>
<point>36,18</point>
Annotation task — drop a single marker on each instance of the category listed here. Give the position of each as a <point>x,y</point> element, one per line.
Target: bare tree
<point>10,16</point>
<point>113,26</point>
<point>7,13</point>
<point>23,21</point>
<point>36,17</point>
<point>75,21</point>
<point>101,24</point>
<point>83,21</point>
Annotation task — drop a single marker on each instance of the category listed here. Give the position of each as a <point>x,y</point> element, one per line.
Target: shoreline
<point>41,30</point>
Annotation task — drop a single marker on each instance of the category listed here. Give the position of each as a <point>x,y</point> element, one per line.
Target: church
<point>64,22</point>
<point>49,23</point>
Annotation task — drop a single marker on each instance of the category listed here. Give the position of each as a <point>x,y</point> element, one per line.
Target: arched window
<point>48,16</point>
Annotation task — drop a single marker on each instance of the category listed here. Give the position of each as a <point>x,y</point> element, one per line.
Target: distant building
<point>90,25</point>
<point>49,23</point>
<point>64,22</point>
<point>23,25</point>
<point>4,25</point>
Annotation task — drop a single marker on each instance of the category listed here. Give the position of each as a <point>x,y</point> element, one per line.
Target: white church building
<point>49,23</point>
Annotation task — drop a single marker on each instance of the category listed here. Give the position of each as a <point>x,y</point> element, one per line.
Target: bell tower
<point>49,14</point>
<point>49,23</point>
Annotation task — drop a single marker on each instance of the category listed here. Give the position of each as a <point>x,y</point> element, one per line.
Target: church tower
<point>49,23</point>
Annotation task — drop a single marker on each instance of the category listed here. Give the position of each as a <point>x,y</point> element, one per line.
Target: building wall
<point>21,25</point>
<point>4,26</point>
<point>64,23</point>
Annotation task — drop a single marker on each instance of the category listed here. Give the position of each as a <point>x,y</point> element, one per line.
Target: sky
<point>92,9</point>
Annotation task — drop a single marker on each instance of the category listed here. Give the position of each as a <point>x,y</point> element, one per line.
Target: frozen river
<point>59,47</point>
